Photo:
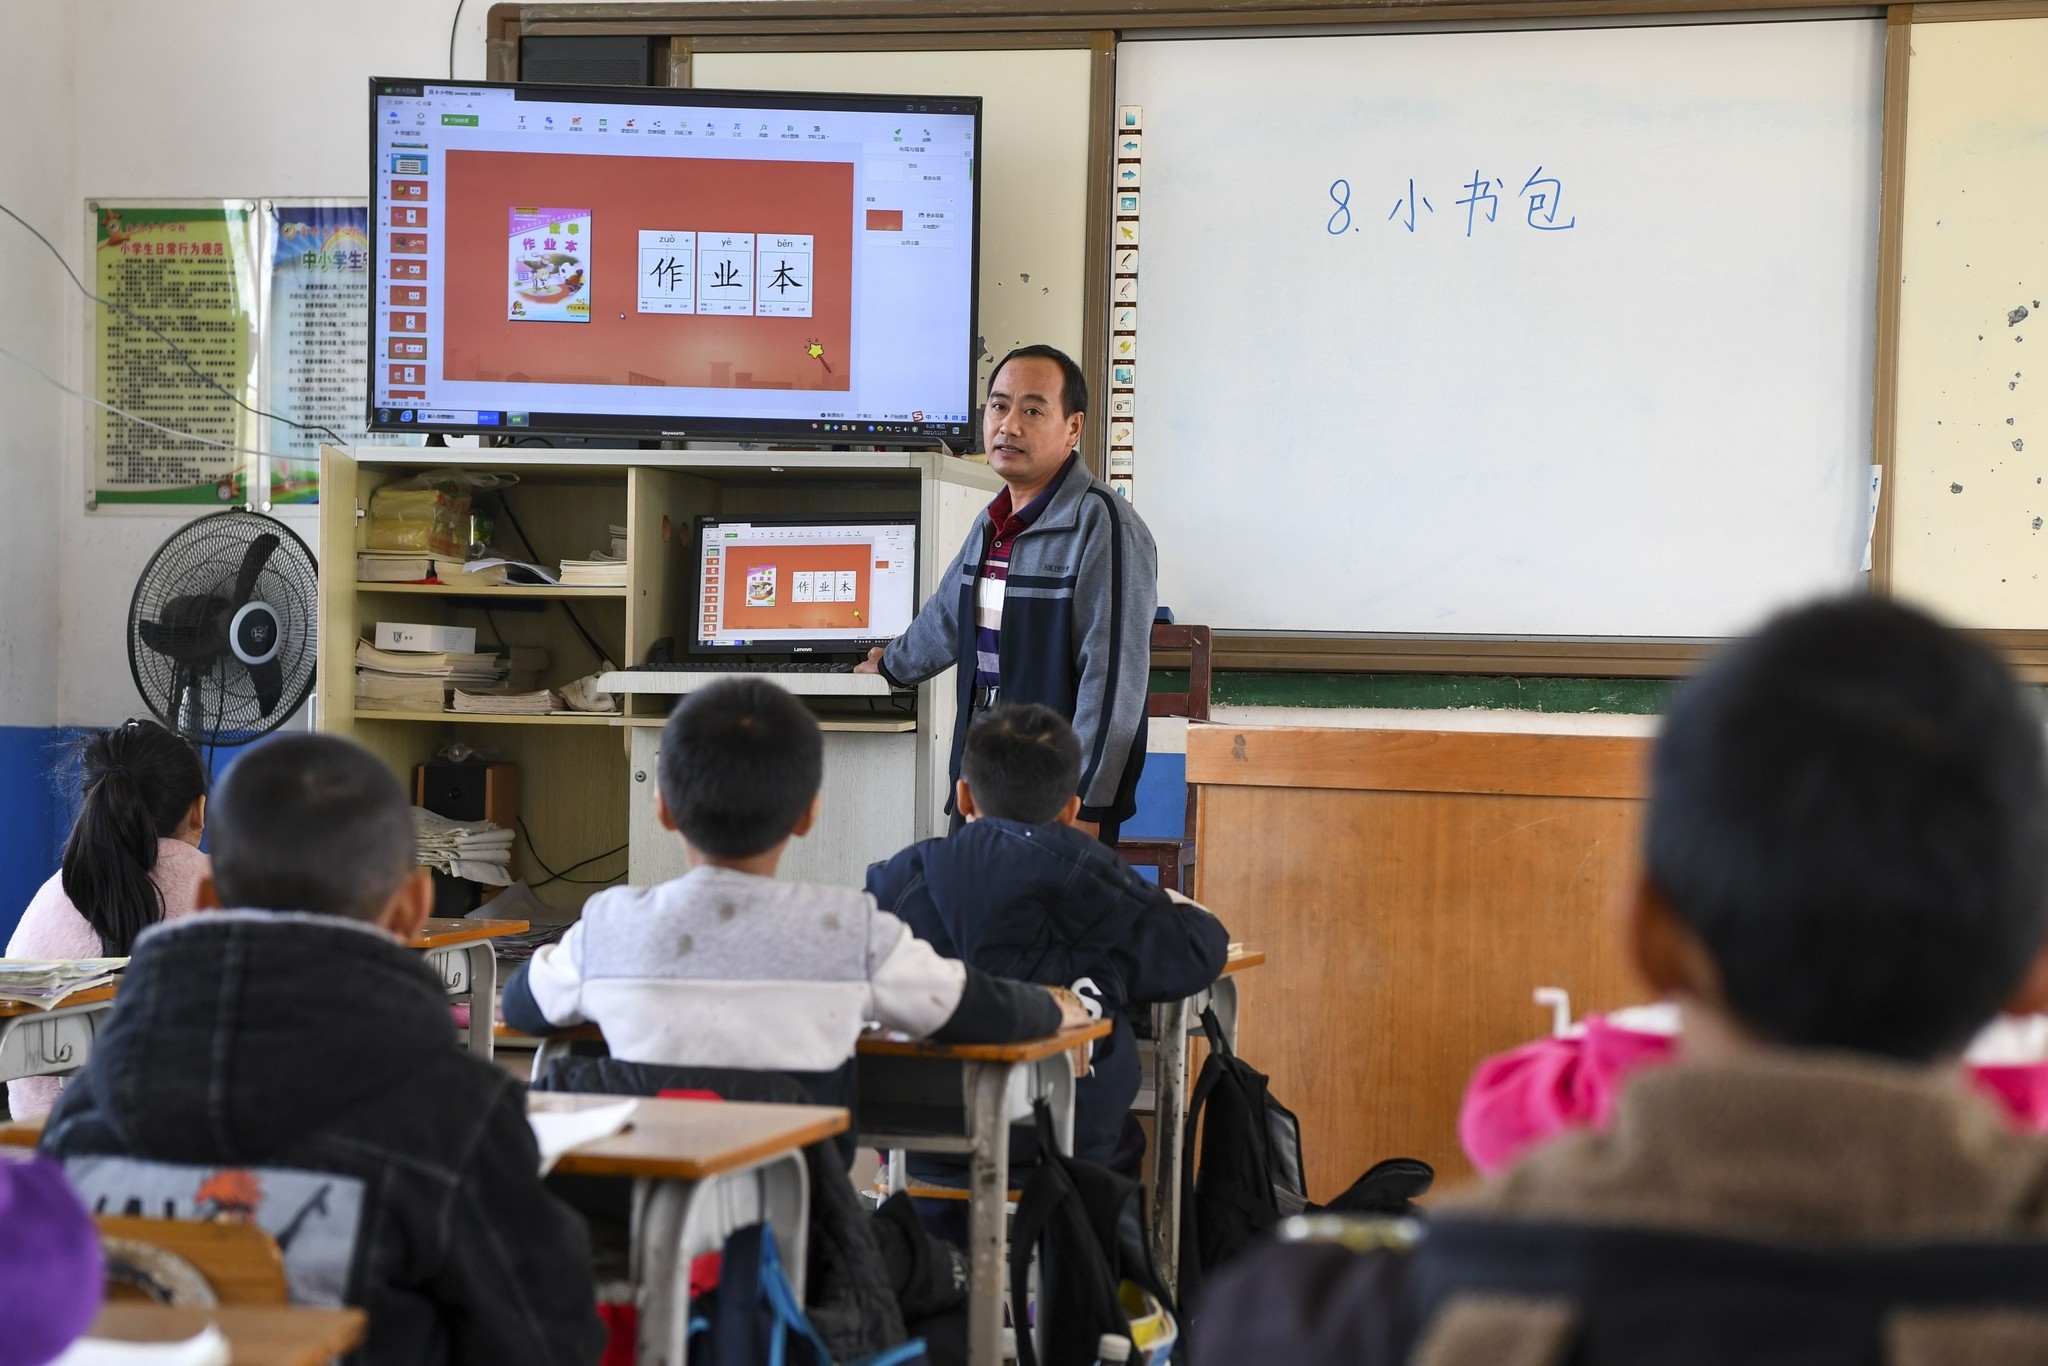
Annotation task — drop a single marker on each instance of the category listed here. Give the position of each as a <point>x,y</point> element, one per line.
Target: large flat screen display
<point>672,263</point>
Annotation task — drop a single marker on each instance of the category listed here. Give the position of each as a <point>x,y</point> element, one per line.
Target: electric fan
<point>221,631</point>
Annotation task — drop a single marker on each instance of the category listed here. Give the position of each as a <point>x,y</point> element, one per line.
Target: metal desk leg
<point>483,998</point>
<point>1170,1115</point>
<point>988,1125</point>
<point>675,1222</point>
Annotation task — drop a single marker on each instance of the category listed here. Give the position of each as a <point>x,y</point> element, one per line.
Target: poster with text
<point>174,345</point>
<point>316,329</point>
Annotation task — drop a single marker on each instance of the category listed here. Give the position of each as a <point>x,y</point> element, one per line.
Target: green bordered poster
<point>184,275</point>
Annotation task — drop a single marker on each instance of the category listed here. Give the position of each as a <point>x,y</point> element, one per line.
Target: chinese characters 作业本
<point>1539,200</point>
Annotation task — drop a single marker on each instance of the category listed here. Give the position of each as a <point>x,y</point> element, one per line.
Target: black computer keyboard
<point>726,666</point>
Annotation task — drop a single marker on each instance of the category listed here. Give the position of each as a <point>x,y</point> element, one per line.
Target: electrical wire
<point>563,876</point>
<point>453,25</point>
<point>574,620</point>
<point>176,350</point>
<point>59,384</point>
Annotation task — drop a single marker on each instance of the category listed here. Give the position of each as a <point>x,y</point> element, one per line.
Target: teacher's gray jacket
<point>1077,631</point>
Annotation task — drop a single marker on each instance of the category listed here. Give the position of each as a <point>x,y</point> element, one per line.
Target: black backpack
<point>1087,1226</point>
<point>1251,1174</point>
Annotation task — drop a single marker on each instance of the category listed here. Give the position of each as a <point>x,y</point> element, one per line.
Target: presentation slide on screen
<point>549,256</point>
<point>781,582</point>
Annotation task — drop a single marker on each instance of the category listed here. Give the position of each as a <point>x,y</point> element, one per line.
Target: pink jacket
<point>52,927</point>
<point>1521,1099</point>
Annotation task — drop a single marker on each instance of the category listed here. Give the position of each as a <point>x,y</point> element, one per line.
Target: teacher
<point>1051,597</point>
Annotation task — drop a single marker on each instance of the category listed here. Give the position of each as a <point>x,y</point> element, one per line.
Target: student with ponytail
<point>132,859</point>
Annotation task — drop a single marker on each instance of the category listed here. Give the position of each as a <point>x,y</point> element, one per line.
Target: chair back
<point>1194,703</point>
<point>238,1263</point>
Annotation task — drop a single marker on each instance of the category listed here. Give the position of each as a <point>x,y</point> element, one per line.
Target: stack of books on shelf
<point>393,680</point>
<point>540,702</point>
<point>393,566</point>
<point>599,570</point>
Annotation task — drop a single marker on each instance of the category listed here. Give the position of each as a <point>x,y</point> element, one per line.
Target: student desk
<point>1170,1104</point>
<point>461,951</point>
<point>257,1335</point>
<point>47,1043</point>
<point>962,1098</point>
<point>700,1170</point>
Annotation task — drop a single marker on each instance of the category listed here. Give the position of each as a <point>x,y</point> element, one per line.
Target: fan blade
<point>253,560</point>
<point>189,628</point>
<point>269,680</point>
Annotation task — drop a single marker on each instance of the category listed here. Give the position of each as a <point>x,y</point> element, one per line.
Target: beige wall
<point>1970,521</point>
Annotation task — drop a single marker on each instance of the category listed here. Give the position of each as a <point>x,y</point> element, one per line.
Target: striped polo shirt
<point>995,571</point>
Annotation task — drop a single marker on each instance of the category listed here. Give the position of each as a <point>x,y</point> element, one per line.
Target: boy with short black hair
<point>728,967</point>
<point>1020,892</point>
<point>1846,878</point>
<point>288,1061</point>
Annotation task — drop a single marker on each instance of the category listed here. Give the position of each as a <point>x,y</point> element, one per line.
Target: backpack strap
<point>1190,1236</point>
<point>1214,1029</point>
<point>1043,1194</point>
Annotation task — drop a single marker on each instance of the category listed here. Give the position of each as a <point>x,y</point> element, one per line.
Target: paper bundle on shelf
<point>399,692</point>
<point>599,570</point>
<point>477,850</point>
<point>540,702</point>
<point>390,566</point>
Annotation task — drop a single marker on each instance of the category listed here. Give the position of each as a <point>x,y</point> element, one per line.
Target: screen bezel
<point>811,648</point>
<point>636,427</point>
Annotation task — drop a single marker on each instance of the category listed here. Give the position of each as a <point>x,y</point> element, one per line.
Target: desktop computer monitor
<point>803,585</point>
<point>663,263</point>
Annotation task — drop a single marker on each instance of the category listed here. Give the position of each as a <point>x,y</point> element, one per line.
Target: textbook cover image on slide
<point>550,266</point>
<point>761,586</point>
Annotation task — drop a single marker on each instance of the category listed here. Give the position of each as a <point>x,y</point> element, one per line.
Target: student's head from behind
<point>138,784</point>
<point>1021,763</point>
<point>741,762</point>
<point>317,823</point>
<point>1847,843</point>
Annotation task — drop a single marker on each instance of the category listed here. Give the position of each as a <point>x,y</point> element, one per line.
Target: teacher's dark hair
<point>136,783</point>
<point>1073,384</point>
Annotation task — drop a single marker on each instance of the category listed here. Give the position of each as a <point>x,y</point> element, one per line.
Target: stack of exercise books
<point>393,566</point>
<point>394,680</point>
<point>45,982</point>
<point>599,570</point>
<point>539,702</point>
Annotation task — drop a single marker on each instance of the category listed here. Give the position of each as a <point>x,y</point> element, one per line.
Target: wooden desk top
<point>1028,1051</point>
<point>441,933</point>
<point>682,1140</point>
<point>258,1335</point>
<point>1243,958</point>
<point>688,1140</point>
<point>583,1033</point>
<point>76,998</point>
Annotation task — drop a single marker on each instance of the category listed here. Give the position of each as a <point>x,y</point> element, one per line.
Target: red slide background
<point>786,615</point>
<point>624,195</point>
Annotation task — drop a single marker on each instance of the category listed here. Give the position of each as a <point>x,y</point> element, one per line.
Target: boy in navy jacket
<point>1019,892</point>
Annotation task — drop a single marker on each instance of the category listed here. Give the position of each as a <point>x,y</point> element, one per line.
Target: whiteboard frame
<point>868,25</point>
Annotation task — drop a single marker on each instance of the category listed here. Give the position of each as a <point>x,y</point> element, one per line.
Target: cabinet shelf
<point>564,718</point>
<point>509,590</point>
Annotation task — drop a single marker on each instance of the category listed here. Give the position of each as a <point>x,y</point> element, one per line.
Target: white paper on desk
<point>205,1348</point>
<point>558,1131</point>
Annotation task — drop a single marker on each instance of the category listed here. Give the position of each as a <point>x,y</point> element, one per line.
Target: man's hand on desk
<point>1072,1013</point>
<point>872,664</point>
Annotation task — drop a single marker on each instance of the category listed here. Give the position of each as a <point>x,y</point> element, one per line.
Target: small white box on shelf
<point>406,635</point>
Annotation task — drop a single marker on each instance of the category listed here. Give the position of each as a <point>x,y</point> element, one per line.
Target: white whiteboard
<point>1654,422</point>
